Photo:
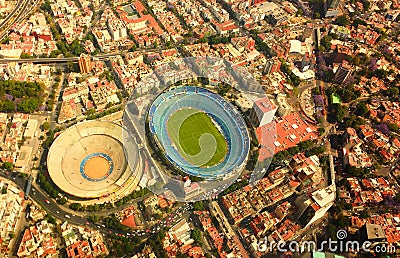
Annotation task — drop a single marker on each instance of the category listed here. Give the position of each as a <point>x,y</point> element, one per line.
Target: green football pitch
<point>196,137</point>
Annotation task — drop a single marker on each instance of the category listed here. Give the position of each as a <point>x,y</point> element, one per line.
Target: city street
<point>60,212</point>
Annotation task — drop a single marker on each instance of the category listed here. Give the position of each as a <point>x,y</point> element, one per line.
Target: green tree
<point>326,42</point>
<point>75,206</point>
<point>294,79</point>
<point>366,5</point>
<point>90,112</point>
<point>45,126</point>
<point>364,214</point>
<point>357,22</point>
<point>62,201</point>
<point>348,93</point>
<point>44,183</point>
<point>361,109</point>
<point>397,197</point>
<point>342,21</point>
<point>198,206</point>
<point>133,48</point>
<point>71,67</point>
<point>55,53</point>
<point>196,235</point>
<point>50,219</point>
<point>393,127</point>
<point>7,106</point>
<point>6,40</point>
<point>93,218</point>
<point>46,6</point>
<point>393,92</point>
<point>28,105</point>
<point>76,47</point>
<point>181,255</point>
<point>8,166</point>
<point>381,74</point>
<point>27,95</point>
<point>339,112</point>
<point>106,74</point>
<point>305,145</point>
<point>25,56</point>
<point>112,222</point>
<point>94,207</point>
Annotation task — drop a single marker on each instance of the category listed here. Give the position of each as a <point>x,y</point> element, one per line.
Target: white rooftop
<point>324,196</point>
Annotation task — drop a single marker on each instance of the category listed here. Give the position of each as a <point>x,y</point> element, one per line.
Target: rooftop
<point>265,104</point>
<point>324,196</point>
<point>374,231</point>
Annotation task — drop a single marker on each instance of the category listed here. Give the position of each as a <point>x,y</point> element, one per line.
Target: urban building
<point>85,64</point>
<point>272,65</point>
<point>315,207</point>
<point>263,111</point>
<point>331,8</point>
<point>37,241</point>
<point>11,207</point>
<point>284,108</point>
<point>343,73</point>
<point>372,233</point>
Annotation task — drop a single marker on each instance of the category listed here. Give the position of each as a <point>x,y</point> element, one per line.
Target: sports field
<point>336,99</point>
<point>196,137</point>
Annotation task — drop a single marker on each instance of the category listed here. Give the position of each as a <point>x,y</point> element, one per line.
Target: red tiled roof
<point>129,221</point>
<point>290,130</point>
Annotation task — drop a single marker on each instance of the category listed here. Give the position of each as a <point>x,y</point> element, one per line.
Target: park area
<point>336,99</point>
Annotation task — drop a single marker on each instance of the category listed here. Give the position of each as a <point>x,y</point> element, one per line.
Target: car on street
<point>47,201</point>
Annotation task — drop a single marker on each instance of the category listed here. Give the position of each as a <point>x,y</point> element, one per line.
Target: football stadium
<point>200,133</point>
<point>88,161</point>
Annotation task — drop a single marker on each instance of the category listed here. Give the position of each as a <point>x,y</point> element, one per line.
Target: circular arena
<point>197,130</point>
<point>88,161</point>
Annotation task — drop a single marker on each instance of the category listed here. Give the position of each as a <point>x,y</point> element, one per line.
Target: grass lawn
<point>336,99</point>
<point>196,137</point>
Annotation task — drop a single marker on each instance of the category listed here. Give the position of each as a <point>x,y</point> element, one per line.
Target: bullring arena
<point>88,161</point>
